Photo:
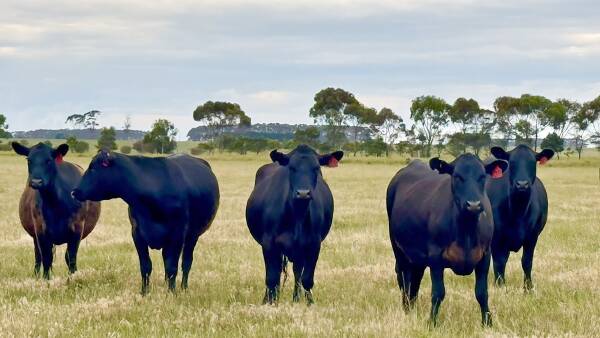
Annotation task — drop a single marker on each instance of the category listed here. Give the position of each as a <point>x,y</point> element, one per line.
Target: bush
<point>142,147</point>
<point>107,139</point>
<point>81,147</point>
<point>77,146</point>
<point>202,148</point>
<point>126,149</point>
<point>48,143</point>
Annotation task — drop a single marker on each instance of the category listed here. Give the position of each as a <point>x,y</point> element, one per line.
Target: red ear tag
<point>497,172</point>
<point>333,162</point>
<point>105,164</point>
<point>58,159</point>
<point>543,160</point>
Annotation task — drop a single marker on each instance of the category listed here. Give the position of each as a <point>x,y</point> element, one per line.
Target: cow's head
<point>304,165</point>
<point>100,180</point>
<point>522,162</point>
<point>468,176</point>
<point>42,160</point>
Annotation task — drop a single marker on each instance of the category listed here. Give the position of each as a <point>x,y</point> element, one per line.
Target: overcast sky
<point>153,59</point>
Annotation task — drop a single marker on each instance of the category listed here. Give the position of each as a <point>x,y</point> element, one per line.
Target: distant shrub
<point>126,149</point>
<point>81,147</point>
<point>142,147</point>
<point>77,146</point>
<point>203,148</point>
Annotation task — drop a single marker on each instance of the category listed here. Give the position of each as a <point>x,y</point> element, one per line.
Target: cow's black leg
<point>403,276</point>
<point>188,257</point>
<point>273,265</point>
<point>145,263</point>
<point>438,292</point>
<point>47,255</point>
<point>308,274</point>
<point>298,268</point>
<point>38,257</point>
<point>71,254</point>
<point>171,254</point>
<point>527,263</point>
<point>416,276</point>
<point>500,257</point>
<point>481,289</point>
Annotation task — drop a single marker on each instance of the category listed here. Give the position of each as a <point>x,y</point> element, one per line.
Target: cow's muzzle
<point>302,194</point>
<point>474,207</point>
<point>36,183</point>
<point>522,186</point>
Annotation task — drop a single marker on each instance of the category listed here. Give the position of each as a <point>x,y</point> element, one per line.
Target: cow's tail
<point>284,264</point>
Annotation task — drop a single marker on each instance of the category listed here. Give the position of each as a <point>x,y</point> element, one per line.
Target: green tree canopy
<point>330,109</point>
<point>3,127</point>
<point>107,139</point>
<point>86,120</point>
<point>430,115</point>
<point>161,139</point>
<point>555,142</point>
<point>218,115</point>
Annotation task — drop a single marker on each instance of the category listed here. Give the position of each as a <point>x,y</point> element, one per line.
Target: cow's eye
<point>48,162</point>
<point>459,178</point>
<point>481,178</point>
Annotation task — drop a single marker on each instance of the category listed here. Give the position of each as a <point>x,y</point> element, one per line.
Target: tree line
<point>435,125</point>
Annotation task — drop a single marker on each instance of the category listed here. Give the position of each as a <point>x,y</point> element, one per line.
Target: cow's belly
<point>513,237</point>
<point>295,247</point>
<point>155,235</point>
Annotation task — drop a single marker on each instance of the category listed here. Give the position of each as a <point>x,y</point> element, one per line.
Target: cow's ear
<point>280,158</point>
<point>442,167</point>
<point>61,151</point>
<point>20,149</point>
<point>499,153</point>
<point>496,168</point>
<point>544,155</point>
<point>331,160</point>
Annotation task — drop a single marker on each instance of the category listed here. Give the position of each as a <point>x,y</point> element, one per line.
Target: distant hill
<point>81,134</point>
<point>275,131</point>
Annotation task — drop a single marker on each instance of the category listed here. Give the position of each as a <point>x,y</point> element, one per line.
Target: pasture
<point>355,289</point>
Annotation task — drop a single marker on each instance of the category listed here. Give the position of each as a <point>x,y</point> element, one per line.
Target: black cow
<point>47,211</point>
<point>172,201</point>
<point>520,207</point>
<point>441,220</point>
<point>289,214</point>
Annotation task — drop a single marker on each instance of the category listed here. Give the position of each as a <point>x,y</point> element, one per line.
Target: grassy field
<point>355,286</point>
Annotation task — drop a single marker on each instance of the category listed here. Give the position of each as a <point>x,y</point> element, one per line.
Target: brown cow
<point>47,211</point>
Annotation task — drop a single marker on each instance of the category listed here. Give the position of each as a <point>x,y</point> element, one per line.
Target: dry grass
<point>355,291</point>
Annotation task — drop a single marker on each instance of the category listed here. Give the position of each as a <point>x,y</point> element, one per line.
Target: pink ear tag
<point>497,172</point>
<point>58,159</point>
<point>105,164</point>
<point>543,160</point>
<point>333,162</point>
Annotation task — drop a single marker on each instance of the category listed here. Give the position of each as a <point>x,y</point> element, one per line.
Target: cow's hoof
<point>270,297</point>
<point>309,298</point>
<point>487,320</point>
<point>296,295</point>
<point>528,286</point>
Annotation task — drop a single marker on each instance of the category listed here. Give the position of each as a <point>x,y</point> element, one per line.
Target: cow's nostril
<point>35,182</point>
<point>473,205</point>
<point>303,194</point>
<point>522,184</point>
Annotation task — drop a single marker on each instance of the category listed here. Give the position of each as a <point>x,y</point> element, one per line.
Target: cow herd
<point>459,215</point>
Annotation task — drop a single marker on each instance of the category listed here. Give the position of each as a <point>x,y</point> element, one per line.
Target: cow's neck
<point>518,203</point>
<point>56,200</point>
<point>466,227</point>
